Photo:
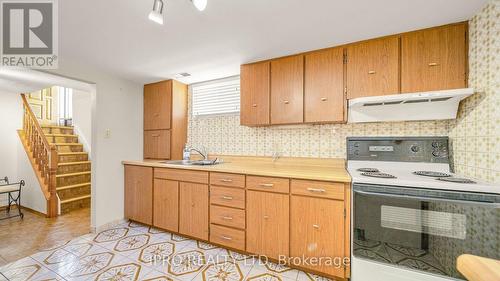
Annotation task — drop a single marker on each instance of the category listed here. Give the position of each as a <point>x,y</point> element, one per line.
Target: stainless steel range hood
<point>433,105</point>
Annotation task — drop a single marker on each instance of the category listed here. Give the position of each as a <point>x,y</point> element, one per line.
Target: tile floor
<point>130,251</point>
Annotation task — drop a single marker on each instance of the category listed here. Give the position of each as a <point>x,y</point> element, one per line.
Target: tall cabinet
<point>165,119</point>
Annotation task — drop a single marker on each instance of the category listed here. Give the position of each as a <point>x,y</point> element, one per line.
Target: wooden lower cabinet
<point>317,230</point>
<point>166,204</point>
<point>139,194</point>
<point>193,210</point>
<point>268,223</point>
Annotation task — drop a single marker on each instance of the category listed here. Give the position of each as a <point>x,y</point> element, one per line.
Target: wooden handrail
<point>44,157</point>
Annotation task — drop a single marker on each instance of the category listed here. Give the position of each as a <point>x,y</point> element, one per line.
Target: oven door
<point>424,229</point>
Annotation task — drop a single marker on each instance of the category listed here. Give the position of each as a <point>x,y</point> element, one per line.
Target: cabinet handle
<point>226,238</point>
<point>320,190</point>
<point>156,114</point>
<point>227,218</point>
<point>266,217</point>
<point>226,180</point>
<point>371,72</point>
<point>324,99</point>
<point>227,197</point>
<point>266,184</point>
<point>254,105</point>
<point>286,102</point>
<point>316,226</point>
<point>433,64</point>
<point>155,135</point>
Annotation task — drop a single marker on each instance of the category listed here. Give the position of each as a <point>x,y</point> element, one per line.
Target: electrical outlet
<point>107,134</point>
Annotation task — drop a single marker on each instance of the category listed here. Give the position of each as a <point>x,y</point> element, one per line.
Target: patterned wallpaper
<point>475,134</point>
<point>476,131</point>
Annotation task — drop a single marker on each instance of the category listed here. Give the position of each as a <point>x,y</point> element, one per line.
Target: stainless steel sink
<point>192,162</point>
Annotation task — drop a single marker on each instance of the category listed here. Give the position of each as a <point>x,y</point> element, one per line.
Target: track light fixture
<point>200,4</point>
<point>156,14</point>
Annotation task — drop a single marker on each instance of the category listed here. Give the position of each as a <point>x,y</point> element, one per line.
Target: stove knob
<point>415,148</point>
<point>436,144</point>
<point>436,153</point>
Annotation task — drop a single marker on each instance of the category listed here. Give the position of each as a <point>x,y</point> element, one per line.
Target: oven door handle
<point>423,198</point>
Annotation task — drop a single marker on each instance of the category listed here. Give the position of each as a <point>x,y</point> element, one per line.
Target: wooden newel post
<point>52,203</point>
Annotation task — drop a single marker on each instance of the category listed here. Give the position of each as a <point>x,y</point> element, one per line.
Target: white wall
<point>82,117</point>
<point>14,162</point>
<point>117,106</point>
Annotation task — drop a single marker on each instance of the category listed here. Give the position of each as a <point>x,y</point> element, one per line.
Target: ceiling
<point>117,36</point>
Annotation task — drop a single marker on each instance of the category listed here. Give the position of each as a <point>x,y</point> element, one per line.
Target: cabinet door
<point>373,68</point>
<point>166,204</point>
<point>324,99</point>
<point>157,144</point>
<point>193,210</point>
<point>157,105</point>
<point>287,90</point>
<point>139,194</point>
<point>255,94</point>
<point>434,59</point>
<point>267,223</point>
<point>318,232</point>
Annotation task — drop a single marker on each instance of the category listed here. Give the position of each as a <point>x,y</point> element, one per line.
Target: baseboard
<point>3,208</point>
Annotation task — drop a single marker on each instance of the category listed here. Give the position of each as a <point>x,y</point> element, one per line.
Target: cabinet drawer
<point>229,237</point>
<point>227,196</point>
<point>227,216</point>
<point>224,179</point>
<point>318,189</point>
<point>181,175</point>
<point>268,184</point>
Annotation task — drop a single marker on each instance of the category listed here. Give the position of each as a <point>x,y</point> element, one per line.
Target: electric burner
<point>378,175</point>
<point>371,170</point>
<point>456,180</point>
<point>432,174</point>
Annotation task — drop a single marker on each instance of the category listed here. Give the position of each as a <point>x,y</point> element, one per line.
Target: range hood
<point>433,105</point>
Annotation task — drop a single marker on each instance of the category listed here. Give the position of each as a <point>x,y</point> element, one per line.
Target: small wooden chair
<point>10,188</point>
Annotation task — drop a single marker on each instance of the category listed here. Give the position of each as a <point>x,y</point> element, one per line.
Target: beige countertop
<point>332,169</point>
<point>476,268</point>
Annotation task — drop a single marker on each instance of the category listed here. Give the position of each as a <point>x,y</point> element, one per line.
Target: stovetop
<point>404,175</point>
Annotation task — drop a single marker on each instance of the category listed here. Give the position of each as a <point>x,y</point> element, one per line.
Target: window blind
<point>216,97</point>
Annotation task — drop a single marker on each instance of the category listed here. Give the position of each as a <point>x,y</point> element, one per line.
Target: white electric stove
<point>411,216</point>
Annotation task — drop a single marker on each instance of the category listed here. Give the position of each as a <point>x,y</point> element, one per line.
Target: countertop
<point>331,169</point>
<point>476,268</point>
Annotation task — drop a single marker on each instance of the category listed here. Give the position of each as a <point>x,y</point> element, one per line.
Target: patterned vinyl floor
<point>135,252</point>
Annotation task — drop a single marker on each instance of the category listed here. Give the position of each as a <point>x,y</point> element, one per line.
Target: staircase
<point>73,168</point>
<point>61,165</point>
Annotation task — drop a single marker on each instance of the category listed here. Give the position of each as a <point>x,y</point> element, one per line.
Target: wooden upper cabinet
<point>373,68</point>
<point>255,93</point>
<point>287,90</point>
<point>139,193</point>
<point>157,105</point>
<point>324,86</point>
<point>434,59</point>
<point>157,144</point>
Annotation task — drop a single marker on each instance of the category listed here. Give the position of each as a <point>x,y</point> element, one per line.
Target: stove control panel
<point>405,149</point>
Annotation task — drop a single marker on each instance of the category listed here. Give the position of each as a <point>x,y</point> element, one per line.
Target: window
<point>65,103</point>
<point>216,97</point>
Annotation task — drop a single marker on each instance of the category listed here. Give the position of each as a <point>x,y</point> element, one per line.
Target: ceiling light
<point>200,4</point>
<point>156,14</point>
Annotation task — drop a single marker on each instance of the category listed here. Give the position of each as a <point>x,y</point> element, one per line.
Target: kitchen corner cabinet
<point>268,223</point>
<point>139,193</point>
<point>324,99</point>
<point>434,59</point>
<point>255,93</point>
<point>287,90</point>
<point>165,119</point>
<point>373,68</point>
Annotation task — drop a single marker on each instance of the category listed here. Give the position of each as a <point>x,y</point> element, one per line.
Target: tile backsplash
<point>475,134</point>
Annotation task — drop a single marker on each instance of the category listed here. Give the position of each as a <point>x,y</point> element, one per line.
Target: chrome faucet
<point>203,154</point>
